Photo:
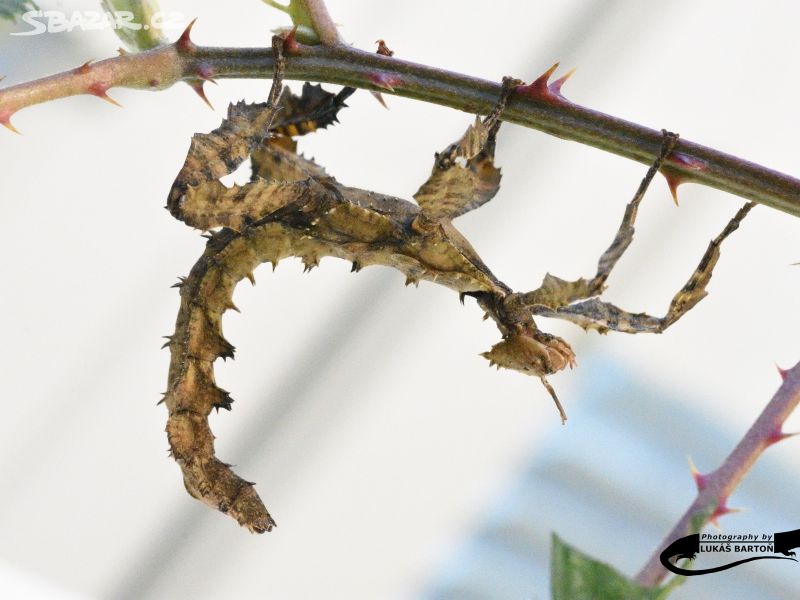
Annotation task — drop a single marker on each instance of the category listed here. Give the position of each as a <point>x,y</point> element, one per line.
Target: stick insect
<point>292,207</point>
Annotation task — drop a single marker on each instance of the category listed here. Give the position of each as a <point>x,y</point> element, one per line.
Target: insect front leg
<point>556,292</point>
<point>197,197</point>
<point>604,316</point>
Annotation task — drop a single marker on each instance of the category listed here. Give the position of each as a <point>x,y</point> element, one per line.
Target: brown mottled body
<point>291,207</point>
<point>361,227</point>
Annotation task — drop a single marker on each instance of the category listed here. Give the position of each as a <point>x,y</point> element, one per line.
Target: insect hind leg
<point>604,316</point>
<point>556,292</point>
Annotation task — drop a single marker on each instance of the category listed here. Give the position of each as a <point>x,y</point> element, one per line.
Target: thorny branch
<point>539,105</point>
<point>715,488</point>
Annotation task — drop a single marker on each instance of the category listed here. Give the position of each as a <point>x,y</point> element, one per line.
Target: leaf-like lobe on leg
<point>464,176</point>
<point>200,200</point>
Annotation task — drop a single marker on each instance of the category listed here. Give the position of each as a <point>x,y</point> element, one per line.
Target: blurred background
<point>396,464</point>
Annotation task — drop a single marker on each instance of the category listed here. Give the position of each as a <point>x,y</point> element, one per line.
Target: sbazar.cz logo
<point>57,21</point>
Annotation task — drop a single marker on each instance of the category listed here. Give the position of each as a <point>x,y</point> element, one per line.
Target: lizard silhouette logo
<point>690,546</point>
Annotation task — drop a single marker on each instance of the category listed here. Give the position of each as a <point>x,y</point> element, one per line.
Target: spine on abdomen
<point>192,390</point>
<point>308,230</point>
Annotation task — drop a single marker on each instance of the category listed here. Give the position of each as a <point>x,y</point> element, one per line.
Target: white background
<point>380,440</point>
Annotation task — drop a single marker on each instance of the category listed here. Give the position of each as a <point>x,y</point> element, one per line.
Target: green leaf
<point>147,35</point>
<point>11,9</point>
<point>576,576</point>
<point>305,29</point>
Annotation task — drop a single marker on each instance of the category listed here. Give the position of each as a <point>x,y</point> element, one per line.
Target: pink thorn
<point>379,98</point>
<point>777,435</point>
<point>197,86</point>
<point>538,88</point>
<point>206,73</point>
<point>5,121</point>
<point>185,43</point>
<point>85,67</point>
<point>385,80</point>
<point>782,372</point>
<point>99,90</point>
<point>542,80</point>
<point>555,87</point>
<point>689,162</point>
<point>721,510</point>
<point>700,480</point>
<point>290,43</point>
<point>673,181</point>
<point>685,161</point>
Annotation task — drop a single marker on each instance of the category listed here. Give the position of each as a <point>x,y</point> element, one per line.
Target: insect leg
<point>508,87</point>
<point>555,292</point>
<point>213,155</point>
<point>604,316</point>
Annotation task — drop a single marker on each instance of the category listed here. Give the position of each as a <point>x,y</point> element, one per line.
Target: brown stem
<point>717,486</point>
<point>537,108</point>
